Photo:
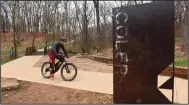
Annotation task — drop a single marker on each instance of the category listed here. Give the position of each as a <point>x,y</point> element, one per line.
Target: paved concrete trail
<point>24,69</point>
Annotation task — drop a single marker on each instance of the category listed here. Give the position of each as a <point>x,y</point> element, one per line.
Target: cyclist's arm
<point>65,52</point>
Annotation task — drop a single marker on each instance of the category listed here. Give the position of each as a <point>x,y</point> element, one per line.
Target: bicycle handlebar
<point>62,55</point>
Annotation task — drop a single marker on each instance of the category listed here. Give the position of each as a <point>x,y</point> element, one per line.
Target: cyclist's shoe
<point>52,75</point>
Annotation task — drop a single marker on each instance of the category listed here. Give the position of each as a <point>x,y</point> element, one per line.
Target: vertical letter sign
<point>143,47</point>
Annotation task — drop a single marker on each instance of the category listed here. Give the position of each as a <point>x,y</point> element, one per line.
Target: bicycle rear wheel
<point>45,70</point>
<point>68,72</point>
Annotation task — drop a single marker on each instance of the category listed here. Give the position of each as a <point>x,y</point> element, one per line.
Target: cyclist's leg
<point>52,60</point>
<point>55,57</point>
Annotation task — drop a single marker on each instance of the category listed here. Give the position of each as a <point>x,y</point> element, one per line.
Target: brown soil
<point>179,72</point>
<point>23,35</point>
<point>36,93</point>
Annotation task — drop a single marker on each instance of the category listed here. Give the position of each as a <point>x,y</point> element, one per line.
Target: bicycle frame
<point>59,64</point>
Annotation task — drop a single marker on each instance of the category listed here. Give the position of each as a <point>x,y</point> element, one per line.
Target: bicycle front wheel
<point>68,72</point>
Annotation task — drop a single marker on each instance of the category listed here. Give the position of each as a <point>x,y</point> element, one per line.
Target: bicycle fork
<point>67,70</point>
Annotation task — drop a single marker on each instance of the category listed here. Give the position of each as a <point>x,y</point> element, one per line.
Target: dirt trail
<point>36,93</point>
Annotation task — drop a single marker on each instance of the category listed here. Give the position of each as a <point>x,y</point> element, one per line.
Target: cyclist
<point>55,53</point>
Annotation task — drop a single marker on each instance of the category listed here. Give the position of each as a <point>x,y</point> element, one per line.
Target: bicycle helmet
<point>63,39</point>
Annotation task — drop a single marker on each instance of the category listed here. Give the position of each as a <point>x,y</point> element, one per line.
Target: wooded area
<point>88,22</point>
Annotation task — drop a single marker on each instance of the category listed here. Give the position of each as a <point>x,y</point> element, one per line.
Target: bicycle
<point>57,66</point>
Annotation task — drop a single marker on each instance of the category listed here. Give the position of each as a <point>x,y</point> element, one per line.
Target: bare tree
<point>13,6</point>
<point>18,21</point>
<point>36,19</point>
<point>46,20</point>
<point>86,23</point>
<point>181,12</point>
<point>0,22</point>
<point>85,26</point>
<point>55,23</point>
<point>66,16</point>
<point>3,27</point>
<point>100,43</point>
<point>5,21</point>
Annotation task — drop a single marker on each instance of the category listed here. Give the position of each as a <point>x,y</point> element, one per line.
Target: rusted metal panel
<point>143,47</point>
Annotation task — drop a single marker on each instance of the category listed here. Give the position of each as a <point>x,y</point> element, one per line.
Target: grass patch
<point>5,61</point>
<point>8,60</point>
<point>178,39</point>
<point>6,46</point>
<point>183,63</point>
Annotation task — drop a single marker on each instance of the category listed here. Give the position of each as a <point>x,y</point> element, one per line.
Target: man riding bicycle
<point>55,53</point>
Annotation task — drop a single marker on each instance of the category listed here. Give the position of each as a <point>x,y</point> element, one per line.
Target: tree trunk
<point>54,34</point>
<point>184,26</point>
<point>3,29</point>
<point>55,26</point>
<point>184,32</point>
<point>33,39</point>
<point>0,29</point>
<point>75,22</point>
<point>14,31</point>
<point>85,32</point>
<point>18,23</point>
<point>66,16</point>
<point>58,27</point>
<point>104,27</point>
<point>100,42</point>
<point>62,25</point>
